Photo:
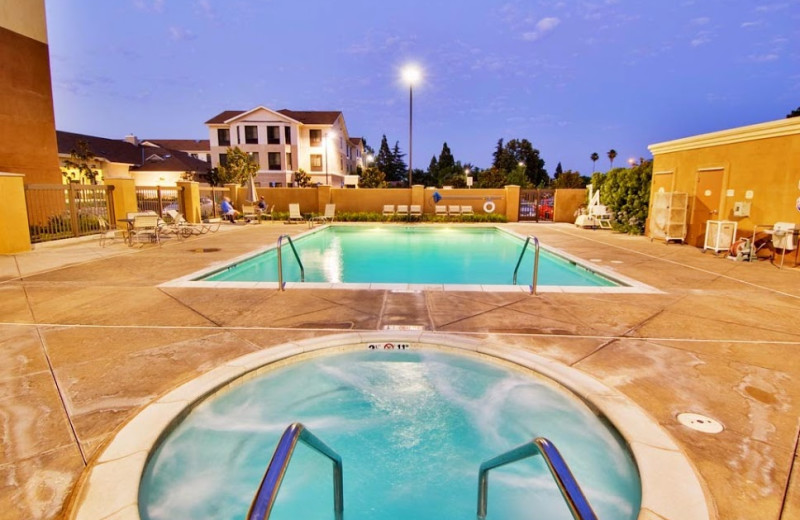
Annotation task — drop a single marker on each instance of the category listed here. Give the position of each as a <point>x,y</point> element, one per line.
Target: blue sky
<point>572,77</point>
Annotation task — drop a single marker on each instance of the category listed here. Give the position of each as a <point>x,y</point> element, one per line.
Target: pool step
<point>405,311</point>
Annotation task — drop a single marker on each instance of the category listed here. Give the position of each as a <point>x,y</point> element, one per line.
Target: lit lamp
<point>631,162</point>
<point>411,75</point>
<point>469,179</point>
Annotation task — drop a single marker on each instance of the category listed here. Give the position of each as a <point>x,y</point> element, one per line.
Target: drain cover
<point>700,423</point>
<point>206,250</point>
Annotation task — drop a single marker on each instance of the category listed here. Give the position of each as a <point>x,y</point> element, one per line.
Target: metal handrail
<point>280,262</point>
<point>570,490</point>
<point>535,262</point>
<point>270,485</point>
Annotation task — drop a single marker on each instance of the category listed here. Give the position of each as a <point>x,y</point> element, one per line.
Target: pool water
<point>430,255</point>
<point>412,428</point>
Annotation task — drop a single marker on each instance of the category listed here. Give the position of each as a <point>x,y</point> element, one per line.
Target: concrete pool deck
<point>88,339</point>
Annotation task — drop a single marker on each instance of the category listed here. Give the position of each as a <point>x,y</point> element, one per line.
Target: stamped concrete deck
<point>88,338</point>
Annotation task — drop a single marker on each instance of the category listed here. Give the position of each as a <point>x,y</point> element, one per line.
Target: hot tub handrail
<point>262,504</point>
<point>535,262</point>
<point>280,262</point>
<point>570,490</point>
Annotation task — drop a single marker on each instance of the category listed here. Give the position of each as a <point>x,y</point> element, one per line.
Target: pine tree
<point>384,161</point>
<point>559,171</point>
<point>399,167</point>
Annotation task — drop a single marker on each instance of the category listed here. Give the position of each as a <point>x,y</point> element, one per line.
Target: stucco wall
<point>27,124</point>
<point>768,167</point>
<point>567,203</point>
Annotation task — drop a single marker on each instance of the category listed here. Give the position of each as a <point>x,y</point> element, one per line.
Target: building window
<point>287,134</point>
<point>274,160</point>
<point>223,136</point>
<point>256,159</point>
<point>223,159</point>
<point>273,135</point>
<point>251,134</point>
<point>316,162</point>
<point>289,163</point>
<point>315,136</point>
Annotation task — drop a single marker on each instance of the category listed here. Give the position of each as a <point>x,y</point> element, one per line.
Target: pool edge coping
<point>628,285</point>
<point>672,489</point>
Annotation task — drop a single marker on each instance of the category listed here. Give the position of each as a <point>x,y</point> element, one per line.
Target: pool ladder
<point>535,262</point>
<point>280,262</point>
<point>261,506</point>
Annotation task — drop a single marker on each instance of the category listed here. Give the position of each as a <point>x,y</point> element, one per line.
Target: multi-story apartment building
<point>285,141</point>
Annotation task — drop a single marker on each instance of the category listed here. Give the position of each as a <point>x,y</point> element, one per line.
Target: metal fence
<point>210,199</point>
<point>58,211</point>
<point>159,199</point>
<point>536,205</point>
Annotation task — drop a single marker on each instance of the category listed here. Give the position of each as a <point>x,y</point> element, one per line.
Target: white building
<point>285,141</point>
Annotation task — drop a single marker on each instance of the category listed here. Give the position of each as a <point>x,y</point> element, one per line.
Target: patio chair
<point>294,213</point>
<point>415,211</point>
<point>402,209</point>
<point>440,211</point>
<point>249,213</point>
<point>328,216</point>
<point>388,210</point>
<point>268,213</point>
<point>145,229</point>
<point>107,233</point>
<point>454,210</point>
<point>467,210</point>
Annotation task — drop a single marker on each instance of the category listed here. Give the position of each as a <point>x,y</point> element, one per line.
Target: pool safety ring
<point>488,206</point>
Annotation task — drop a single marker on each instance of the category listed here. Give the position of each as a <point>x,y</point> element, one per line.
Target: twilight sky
<point>572,77</point>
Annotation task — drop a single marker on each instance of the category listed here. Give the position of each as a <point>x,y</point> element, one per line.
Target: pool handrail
<point>535,262</point>
<point>570,490</point>
<point>280,262</point>
<point>261,507</point>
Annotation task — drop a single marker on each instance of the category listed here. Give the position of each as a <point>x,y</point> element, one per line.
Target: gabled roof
<point>224,116</point>
<point>356,140</point>
<point>165,160</point>
<point>112,150</point>
<point>309,117</point>
<point>194,145</point>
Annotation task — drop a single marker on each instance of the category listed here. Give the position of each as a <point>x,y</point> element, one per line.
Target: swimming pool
<point>412,428</point>
<point>414,255</point>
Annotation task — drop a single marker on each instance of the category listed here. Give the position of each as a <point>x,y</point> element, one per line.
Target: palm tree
<point>611,155</point>
<point>594,158</point>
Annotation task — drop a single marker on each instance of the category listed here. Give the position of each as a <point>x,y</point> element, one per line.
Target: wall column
<point>15,237</point>
<point>124,196</point>
<point>233,193</point>
<point>190,191</point>
<point>418,195</point>
<point>512,203</point>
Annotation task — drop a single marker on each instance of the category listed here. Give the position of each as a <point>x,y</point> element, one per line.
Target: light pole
<point>411,75</point>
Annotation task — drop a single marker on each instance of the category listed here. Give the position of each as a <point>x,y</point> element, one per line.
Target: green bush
<point>626,193</point>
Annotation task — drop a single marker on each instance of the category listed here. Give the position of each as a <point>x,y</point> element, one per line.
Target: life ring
<point>488,206</point>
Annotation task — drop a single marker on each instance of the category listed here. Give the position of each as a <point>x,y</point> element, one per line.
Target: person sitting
<point>228,211</point>
<point>262,205</point>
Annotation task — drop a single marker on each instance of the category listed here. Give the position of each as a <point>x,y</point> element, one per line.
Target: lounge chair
<point>328,216</point>
<point>294,213</point>
<point>441,211</point>
<point>454,210</point>
<point>415,211</point>
<point>402,210</point>
<point>388,210</point>
<point>107,233</point>
<point>467,210</point>
<point>249,212</point>
<point>183,228</point>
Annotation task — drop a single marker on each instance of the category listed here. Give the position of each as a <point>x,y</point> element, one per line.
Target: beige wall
<point>14,233</point>
<point>566,204</point>
<point>763,159</point>
<point>25,17</point>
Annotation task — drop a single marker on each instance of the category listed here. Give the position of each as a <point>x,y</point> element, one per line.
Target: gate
<point>58,211</point>
<point>536,205</point>
<point>159,200</point>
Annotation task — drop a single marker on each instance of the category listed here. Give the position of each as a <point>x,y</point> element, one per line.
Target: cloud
<point>700,21</point>
<point>543,26</point>
<point>769,8</point>
<point>205,8</point>
<point>764,58</point>
<point>179,34</point>
<point>702,38</point>
<point>155,6</point>
<point>749,25</point>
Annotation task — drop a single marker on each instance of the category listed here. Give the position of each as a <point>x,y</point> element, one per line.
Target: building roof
<point>164,160</point>
<point>112,150</point>
<point>309,117</point>
<point>770,129</point>
<point>356,140</point>
<point>186,145</point>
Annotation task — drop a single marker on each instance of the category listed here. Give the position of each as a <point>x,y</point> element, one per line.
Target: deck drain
<point>206,250</point>
<point>700,423</point>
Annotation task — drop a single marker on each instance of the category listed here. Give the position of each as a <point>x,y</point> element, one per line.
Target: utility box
<point>741,209</point>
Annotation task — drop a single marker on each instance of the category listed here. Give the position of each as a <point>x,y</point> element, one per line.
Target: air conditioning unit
<point>741,209</point>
